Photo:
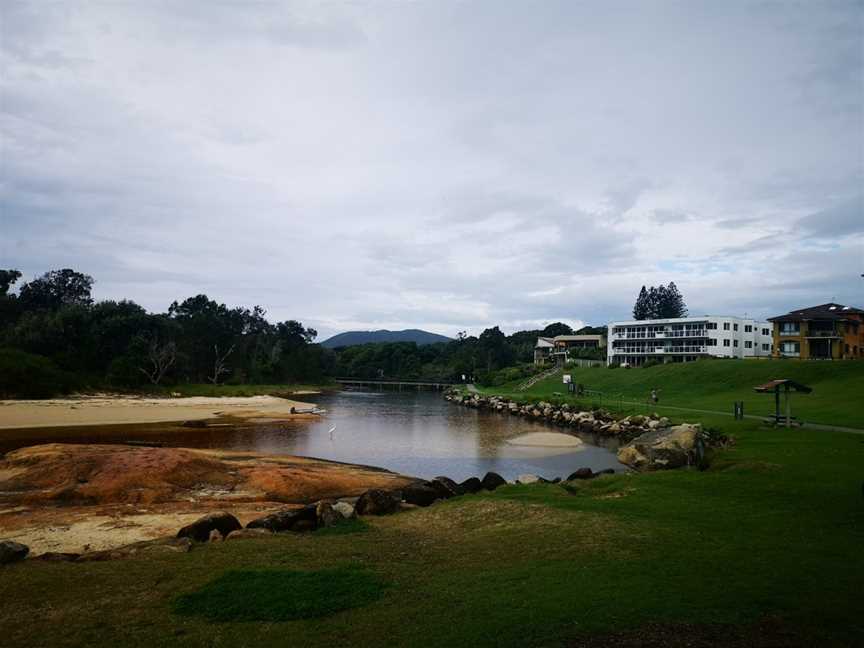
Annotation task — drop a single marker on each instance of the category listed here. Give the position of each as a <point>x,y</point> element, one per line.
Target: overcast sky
<point>441,165</point>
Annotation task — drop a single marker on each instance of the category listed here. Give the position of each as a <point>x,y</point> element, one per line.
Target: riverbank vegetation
<point>764,546</point>
<point>713,385</point>
<point>55,339</point>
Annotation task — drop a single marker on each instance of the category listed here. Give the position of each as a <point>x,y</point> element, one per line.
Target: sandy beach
<point>119,410</point>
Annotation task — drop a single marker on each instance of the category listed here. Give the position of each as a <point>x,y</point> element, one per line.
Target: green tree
<point>55,289</point>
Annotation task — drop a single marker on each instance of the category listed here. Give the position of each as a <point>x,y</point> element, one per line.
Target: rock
<point>302,526</point>
<point>681,445</point>
<point>199,531</point>
<point>215,536</point>
<point>419,493</point>
<point>582,473</point>
<point>471,485</point>
<point>241,534</point>
<point>160,545</point>
<point>284,520</point>
<point>58,556</point>
<point>492,480</point>
<point>527,479</point>
<point>11,551</point>
<point>446,487</point>
<point>377,502</point>
<point>326,515</point>
<point>345,509</point>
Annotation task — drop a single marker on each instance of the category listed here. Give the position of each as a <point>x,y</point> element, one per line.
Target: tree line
<point>55,338</point>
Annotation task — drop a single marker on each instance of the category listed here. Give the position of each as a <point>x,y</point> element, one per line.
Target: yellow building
<point>825,332</point>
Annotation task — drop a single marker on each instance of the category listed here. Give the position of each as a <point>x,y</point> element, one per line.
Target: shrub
<point>26,375</point>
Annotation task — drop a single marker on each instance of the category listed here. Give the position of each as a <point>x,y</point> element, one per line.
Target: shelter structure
<point>786,386</point>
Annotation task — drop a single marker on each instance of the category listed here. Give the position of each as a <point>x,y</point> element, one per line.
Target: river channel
<point>414,433</point>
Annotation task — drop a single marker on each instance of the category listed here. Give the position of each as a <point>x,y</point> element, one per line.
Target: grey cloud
<point>446,164</point>
<point>839,220</point>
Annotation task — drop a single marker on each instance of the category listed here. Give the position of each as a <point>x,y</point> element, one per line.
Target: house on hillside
<point>825,332</point>
<point>684,339</point>
<point>558,349</point>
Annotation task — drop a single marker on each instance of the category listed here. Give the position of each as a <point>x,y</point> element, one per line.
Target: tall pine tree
<point>662,302</point>
<point>640,308</point>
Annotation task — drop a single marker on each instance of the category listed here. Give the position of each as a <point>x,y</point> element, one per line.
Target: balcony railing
<point>822,333</point>
<point>795,332</point>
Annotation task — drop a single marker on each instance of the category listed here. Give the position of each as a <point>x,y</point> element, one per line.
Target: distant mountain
<point>353,338</point>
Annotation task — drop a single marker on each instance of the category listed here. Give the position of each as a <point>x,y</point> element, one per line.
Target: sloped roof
<point>831,310</point>
<point>774,384</point>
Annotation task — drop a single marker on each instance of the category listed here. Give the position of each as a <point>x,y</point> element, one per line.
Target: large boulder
<point>326,515</point>
<point>420,493</point>
<point>492,480</point>
<point>377,502</point>
<point>345,509</point>
<point>199,530</point>
<point>582,473</point>
<point>286,519</point>
<point>528,479</point>
<point>680,445</point>
<point>471,485</point>
<point>446,487</point>
<point>11,551</point>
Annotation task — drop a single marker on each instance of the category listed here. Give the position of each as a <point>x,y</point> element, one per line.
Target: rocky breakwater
<point>648,442</point>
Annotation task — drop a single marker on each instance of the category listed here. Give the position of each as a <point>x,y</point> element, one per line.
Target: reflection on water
<point>417,434</point>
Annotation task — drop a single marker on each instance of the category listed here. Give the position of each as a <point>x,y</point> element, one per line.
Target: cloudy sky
<point>437,164</point>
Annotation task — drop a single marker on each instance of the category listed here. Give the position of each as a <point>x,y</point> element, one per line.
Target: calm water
<point>417,434</point>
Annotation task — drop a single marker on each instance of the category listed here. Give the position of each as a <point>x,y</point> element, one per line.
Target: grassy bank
<point>717,384</point>
<point>773,529</point>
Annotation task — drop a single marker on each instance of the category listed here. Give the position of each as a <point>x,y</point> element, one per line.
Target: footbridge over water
<point>397,385</point>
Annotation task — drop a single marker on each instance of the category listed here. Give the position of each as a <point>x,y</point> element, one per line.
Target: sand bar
<point>119,410</point>
<point>547,440</point>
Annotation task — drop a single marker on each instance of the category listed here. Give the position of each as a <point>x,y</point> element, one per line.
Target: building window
<point>725,326</point>
<point>748,328</point>
<point>711,326</point>
<point>765,347</point>
<point>789,328</point>
<point>725,342</point>
<point>790,347</point>
<point>734,327</point>
<point>766,331</point>
<point>748,344</point>
<point>736,342</point>
<point>712,342</point>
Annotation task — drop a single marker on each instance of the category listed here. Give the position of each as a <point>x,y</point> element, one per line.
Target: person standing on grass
<point>654,397</point>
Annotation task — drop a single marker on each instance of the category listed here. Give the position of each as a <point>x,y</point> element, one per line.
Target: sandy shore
<point>119,410</point>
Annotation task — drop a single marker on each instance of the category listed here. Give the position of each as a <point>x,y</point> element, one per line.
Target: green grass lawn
<point>837,397</point>
<point>774,528</point>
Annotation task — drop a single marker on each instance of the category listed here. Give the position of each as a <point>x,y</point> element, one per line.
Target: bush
<point>26,375</point>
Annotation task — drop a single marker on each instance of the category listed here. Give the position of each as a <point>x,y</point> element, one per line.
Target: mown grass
<point>717,384</point>
<point>274,595</point>
<point>774,527</point>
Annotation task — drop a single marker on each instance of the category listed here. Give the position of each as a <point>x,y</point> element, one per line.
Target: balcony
<point>826,333</point>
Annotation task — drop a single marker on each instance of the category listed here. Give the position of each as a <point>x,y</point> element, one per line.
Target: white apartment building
<point>685,339</point>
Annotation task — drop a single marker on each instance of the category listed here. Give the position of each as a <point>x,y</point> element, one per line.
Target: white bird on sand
<point>332,430</point>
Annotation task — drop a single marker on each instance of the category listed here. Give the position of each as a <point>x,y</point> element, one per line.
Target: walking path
<point>756,417</point>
